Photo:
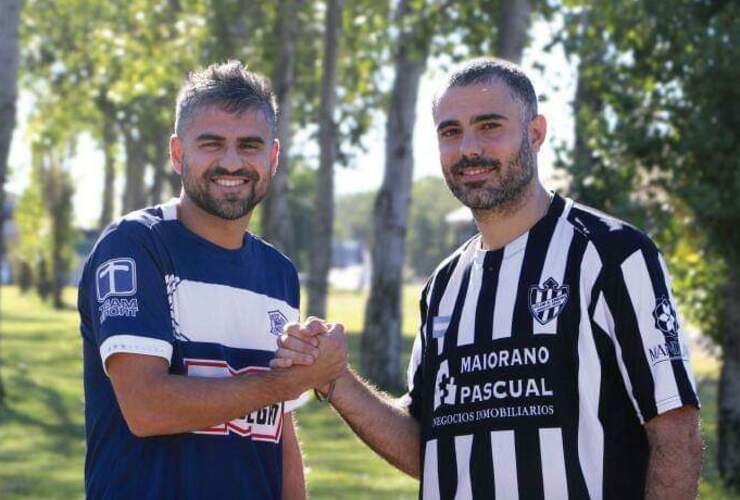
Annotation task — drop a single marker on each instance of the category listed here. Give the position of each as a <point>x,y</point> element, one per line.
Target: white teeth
<point>229,182</point>
<point>474,171</point>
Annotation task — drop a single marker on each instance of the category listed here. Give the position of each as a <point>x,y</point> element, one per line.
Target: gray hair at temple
<point>491,69</point>
<point>230,87</point>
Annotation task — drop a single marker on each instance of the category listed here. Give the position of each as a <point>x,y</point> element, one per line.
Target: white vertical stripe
<point>642,296</point>
<point>554,480</point>
<point>466,328</point>
<point>682,333</point>
<point>463,448</point>
<point>590,430</point>
<point>504,464</point>
<point>414,362</point>
<point>431,472</point>
<point>554,267</point>
<point>508,285</point>
<point>447,303</point>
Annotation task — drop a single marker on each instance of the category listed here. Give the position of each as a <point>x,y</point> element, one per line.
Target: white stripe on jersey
<point>642,296</point>
<point>463,448</point>
<point>466,330</point>
<point>590,430</point>
<point>503,452</point>
<point>554,479</point>
<point>508,284</point>
<point>228,306</point>
<point>447,303</point>
<point>414,362</point>
<point>555,262</point>
<point>431,475</point>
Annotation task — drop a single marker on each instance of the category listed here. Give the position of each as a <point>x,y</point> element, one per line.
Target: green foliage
<point>657,119</point>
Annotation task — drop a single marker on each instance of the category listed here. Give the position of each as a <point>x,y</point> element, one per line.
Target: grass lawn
<point>42,434</point>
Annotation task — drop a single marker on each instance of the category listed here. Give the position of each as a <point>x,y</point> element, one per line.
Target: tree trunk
<point>512,29</point>
<point>276,222</point>
<point>324,200</point>
<point>134,195</point>
<point>159,159</point>
<point>109,176</point>
<point>9,21</point>
<point>381,338</point>
<point>728,453</point>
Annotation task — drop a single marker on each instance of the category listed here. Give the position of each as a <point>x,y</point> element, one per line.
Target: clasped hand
<point>315,348</point>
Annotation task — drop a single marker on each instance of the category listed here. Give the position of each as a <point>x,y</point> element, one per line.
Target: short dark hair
<point>488,69</point>
<point>231,87</point>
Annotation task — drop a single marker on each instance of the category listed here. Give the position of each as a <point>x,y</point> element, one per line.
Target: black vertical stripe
<point>528,463</point>
<point>481,471</point>
<point>486,299</point>
<point>627,330</point>
<point>447,467</point>
<point>568,331</point>
<point>538,242</point>
<point>658,279</point>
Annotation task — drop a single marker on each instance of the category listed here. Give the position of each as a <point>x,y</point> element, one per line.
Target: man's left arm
<point>294,483</point>
<point>675,455</point>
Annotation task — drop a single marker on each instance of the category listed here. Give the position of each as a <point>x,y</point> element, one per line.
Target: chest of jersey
<point>502,351</point>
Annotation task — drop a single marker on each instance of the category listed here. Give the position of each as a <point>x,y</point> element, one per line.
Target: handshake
<point>315,350</point>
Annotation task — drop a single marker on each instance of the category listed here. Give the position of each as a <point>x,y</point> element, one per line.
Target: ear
<point>274,157</point>
<point>537,132</point>
<point>176,153</point>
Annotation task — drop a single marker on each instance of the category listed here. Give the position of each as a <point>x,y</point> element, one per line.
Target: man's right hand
<point>316,349</point>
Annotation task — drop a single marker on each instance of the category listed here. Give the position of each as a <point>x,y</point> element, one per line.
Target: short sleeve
<point>652,347</point>
<point>126,293</point>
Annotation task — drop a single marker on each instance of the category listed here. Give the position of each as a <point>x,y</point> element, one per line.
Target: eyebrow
<point>215,137</point>
<point>475,119</point>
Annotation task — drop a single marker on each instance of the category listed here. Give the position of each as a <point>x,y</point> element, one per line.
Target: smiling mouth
<point>230,182</point>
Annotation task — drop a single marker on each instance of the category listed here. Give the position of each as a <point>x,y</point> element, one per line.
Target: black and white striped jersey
<point>537,364</point>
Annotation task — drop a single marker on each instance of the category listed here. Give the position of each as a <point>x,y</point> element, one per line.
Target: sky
<point>555,84</point>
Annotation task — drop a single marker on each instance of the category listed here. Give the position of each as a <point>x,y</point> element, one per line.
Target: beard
<point>232,206</point>
<point>505,187</point>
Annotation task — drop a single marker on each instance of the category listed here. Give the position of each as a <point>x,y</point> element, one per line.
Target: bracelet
<point>327,397</point>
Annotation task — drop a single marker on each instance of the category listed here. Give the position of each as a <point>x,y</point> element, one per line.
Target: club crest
<point>277,322</point>
<point>546,302</point>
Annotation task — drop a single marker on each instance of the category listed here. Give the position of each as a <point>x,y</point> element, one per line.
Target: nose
<point>469,146</point>
<point>231,160</point>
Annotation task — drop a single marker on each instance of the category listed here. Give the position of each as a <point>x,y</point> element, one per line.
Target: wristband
<point>326,398</point>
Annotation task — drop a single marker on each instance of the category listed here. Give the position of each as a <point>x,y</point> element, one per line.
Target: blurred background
<point>642,100</point>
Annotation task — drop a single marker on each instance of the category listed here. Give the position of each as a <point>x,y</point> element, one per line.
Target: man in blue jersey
<point>550,361</point>
<point>180,310</point>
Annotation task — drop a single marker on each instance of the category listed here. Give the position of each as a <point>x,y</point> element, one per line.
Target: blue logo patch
<point>277,322</point>
<point>116,277</point>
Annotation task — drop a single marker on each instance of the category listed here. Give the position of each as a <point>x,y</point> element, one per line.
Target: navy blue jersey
<point>151,286</point>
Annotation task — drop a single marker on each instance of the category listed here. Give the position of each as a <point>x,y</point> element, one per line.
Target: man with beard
<point>550,362</point>
<point>180,310</point>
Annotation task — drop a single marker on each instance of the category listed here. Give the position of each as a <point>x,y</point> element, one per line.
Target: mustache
<point>481,161</point>
<point>221,171</point>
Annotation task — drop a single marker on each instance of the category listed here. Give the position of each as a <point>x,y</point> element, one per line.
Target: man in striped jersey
<point>550,361</point>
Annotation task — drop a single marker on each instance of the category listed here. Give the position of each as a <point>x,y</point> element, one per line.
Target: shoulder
<point>270,255</point>
<point>614,239</point>
<point>451,261</point>
<point>133,229</point>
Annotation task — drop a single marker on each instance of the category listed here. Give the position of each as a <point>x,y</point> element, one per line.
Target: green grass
<point>42,434</point>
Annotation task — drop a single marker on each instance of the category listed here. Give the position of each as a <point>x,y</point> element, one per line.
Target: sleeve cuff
<point>134,344</point>
<point>294,404</point>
